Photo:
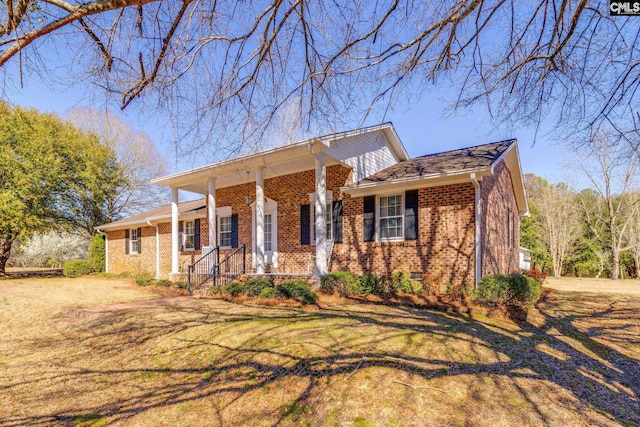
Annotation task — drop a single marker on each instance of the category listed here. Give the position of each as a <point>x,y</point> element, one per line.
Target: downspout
<point>478,242</point>
<point>157,248</point>
<point>106,249</point>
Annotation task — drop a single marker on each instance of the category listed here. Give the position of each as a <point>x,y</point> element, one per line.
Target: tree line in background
<point>594,232</point>
<point>58,181</point>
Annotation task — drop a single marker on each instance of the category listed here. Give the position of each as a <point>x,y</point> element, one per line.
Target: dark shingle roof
<point>183,207</point>
<point>449,162</point>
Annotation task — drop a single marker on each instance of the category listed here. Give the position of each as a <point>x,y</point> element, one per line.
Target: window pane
<point>189,232</point>
<point>225,231</point>
<point>391,220</point>
<point>267,233</point>
<point>328,218</point>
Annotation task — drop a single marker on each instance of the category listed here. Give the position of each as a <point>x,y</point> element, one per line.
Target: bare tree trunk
<point>5,252</point>
<point>615,264</point>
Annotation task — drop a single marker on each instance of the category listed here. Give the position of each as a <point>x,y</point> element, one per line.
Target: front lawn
<point>215,363</point>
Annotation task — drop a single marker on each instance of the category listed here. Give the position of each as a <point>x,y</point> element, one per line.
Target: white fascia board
<point>413,183</point>
<point>121,225</point>
<point>512,161</point>
<point>275,155</point>
<point>153,220</point>
<point>395,143</point>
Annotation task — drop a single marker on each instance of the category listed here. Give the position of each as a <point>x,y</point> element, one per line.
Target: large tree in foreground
<point>52,175</point>
<point>227,70</point>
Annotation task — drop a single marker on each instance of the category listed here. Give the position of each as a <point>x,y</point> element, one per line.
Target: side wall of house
<point>443,252</point>
<point>119,261</point>
<point>145,261</point>
<point>500,227</point>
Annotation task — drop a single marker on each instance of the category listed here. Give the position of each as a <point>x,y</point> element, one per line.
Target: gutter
<point>478,242</point>
<point>157,248</point>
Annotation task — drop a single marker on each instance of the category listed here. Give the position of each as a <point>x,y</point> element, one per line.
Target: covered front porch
<point>260,204</point>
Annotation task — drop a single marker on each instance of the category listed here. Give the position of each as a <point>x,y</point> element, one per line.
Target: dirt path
<point>628,287</point>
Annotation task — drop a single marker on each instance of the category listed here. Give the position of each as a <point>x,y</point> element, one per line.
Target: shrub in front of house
<point>163,282</point>
<point>296,289</point>
<point>97,254</point>
<point>372,284</point>
<point>144,279</point>
<point>76,268</point>
<point>341,282</point>
<point>402,282</point>
<point>234,289</point>
<point>254,286</point>
<point>268,293</point>
<point>515,290</point>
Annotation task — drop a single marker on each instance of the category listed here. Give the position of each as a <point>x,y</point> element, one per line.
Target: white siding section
<point>366,154</point>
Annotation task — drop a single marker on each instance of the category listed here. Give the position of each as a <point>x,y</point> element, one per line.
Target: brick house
<point>349,201</point>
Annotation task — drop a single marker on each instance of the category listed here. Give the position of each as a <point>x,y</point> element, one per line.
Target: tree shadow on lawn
<point>226,358</point>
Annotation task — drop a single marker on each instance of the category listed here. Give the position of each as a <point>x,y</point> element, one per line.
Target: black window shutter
<point>305,232</point>
<point>180,239</point>
<point>234,230</point>
<point>126,242</point>
<point>139,240</point>
<point>196,236</point>
<point>337,221</point>
<point>411,215</point>
<point>369,218</point>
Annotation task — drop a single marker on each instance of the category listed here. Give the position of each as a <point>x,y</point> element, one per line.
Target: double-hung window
<point>391,214</point>
<point>268,233</point>
<point>328,220</point>
<point>189,235</point>
<point>134,241</point>
<point>225,231</point>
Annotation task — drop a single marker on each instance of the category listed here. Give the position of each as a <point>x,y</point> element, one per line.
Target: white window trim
<point>184,235</point>
<point>312,220</point>
<point>223,212</point>
<point>379,238</point>
<point>133,250</point>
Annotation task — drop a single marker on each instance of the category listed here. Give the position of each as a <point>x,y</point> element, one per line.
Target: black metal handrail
<point>232,266</point>
<point>202,269</point>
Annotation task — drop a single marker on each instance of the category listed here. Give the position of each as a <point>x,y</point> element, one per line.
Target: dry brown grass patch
<point>210,362</point>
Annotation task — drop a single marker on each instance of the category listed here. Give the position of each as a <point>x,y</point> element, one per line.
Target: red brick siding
<point>497,198</point>
<point>443,252</point>
<point>120,262</point>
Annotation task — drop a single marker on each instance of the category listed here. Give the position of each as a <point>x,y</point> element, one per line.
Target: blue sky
<point>423,127</point>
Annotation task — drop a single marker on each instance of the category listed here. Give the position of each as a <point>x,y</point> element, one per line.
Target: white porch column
<point>259,220</point>
<point>211,196</point>
<point>175,232</point>
<point>321,222</point>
